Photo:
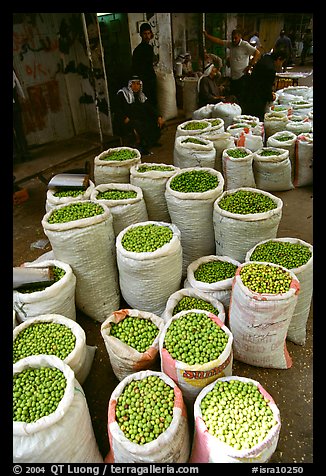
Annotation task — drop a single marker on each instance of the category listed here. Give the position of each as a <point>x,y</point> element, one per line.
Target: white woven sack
<point>246,118</point>
<point>81,357</point>
<point>302,91</point>
<point>124,359</point>
<point>124,211</point>
<point>220,290</point>
<point>147,279</point>
<point>153,183</point>
<point>250,141</point>
<point>117,171</point>
<point>217,124</point>
<point>176,297</point>
<point>236,233</point>
<point>59,298</point>
<point>226,111</point>
<point>304,150</point>
<point>201,126</point>
<point>237,171</point>
<point>189,154</point>
<point>284,97</point>
<point>53,201</point>
<point>66,435</point>
<point>209,449</point>
<point>88,245</point>
<point>236,128</point>
<point>171,446</point>
<point>297,328</point>
<point>301,106</point>
<point>192,378</point>
<point>274,122</point>
<point>284,109</point>
<point>299,127</point>
<point>273,172</point>
<point>166,95</point>
<point>273,141</point>
<point>259,322</point>
<point>15,323</point>
<point>192,214</point>
<point>204,112</point>
<point>221,141</point>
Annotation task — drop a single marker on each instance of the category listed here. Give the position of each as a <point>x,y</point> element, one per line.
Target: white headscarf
<point>207,72</point>
<point>129,94</point>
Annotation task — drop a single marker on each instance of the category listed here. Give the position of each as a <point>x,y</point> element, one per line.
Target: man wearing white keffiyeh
<point>137,120</point>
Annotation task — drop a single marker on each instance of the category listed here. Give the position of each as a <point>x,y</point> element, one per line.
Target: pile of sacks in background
<point>287,125</point>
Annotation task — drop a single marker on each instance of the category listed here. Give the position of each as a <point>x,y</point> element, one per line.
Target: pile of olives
<point>186,303</point>
<point>265,278</point>
<point>120,154</point>
<point>37,392</point>
<point>194,125</point>
<point>114,194</point>
<point>144,409</point>
<point>214,271</point>
<point>69,192</point>
<point>75,211</point>
<point>160,168</point>
<point>284,253</point>
<point>237,413</point>
<point>194,181</point>
<point>146,238</point>
<point>194,338</point>
<point>246,201</point>
<point>49,338</point>
<point>136,332</point>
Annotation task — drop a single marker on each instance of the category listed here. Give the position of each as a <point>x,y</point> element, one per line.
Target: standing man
<point>260,86</point>
<point>240,61</point>
<point>284,43</point>
<point>142,63</point>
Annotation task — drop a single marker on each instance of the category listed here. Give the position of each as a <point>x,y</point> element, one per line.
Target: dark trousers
<point>238,88</point>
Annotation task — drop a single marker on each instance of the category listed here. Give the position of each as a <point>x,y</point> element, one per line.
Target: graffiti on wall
<point>42,98</point>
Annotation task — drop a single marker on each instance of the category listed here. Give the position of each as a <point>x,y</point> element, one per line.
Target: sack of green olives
<point>113,165</point>
<point>237,168</point>
<point>192,151</point>
<point>272,169</point>
<point>151,178</point>
<point>212,276</point>
<point>51,419</point>
<point>298,127</point>
<point>195,349</point>
<point>242,217</point>
<point>147,421</point>
<point>190,195</point>
<point>274,122</point>
<point>64,195</point>
<point>221,141</point>
<point>192,127</point>
<point>264,296</point>
<point>186,299</point>
<point>296,255</point>
<point>149,259</point>
<point>217,124</point>
<point>81,234</point>
<point>54,334</point>
<point>284,140</point>
<point>236,421</point>
<point>303,173</point>
<point>131,340</point>
<point>57,298</point>
<point>125,202</point>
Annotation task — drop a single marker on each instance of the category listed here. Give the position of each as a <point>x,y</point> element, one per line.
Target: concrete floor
<point>291,388</point>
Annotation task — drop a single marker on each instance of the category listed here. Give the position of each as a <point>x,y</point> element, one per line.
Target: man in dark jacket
<point>142,63</point>
<point>136,118</point>
<point>260,86</point>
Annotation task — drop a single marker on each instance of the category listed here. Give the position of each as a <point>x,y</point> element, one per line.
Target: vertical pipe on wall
<point>92,69</point>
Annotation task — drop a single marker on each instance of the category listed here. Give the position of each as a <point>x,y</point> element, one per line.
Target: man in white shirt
<point>243,57</point>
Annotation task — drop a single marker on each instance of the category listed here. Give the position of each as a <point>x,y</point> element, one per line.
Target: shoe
<point>143,151</point>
